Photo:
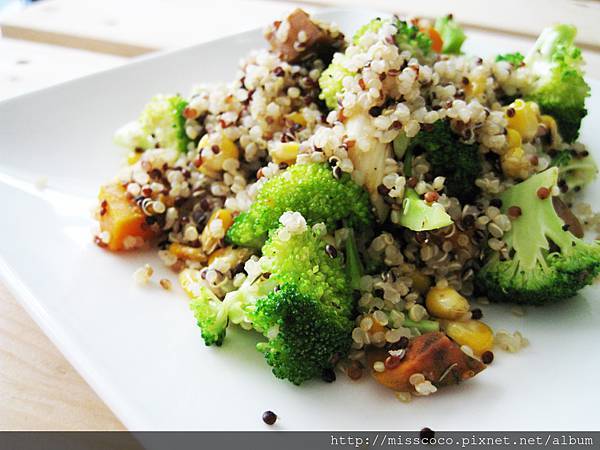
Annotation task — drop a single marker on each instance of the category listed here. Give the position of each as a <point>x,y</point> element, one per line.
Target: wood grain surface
<point>39,389</point>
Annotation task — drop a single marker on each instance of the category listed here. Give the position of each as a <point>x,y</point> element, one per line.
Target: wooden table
<point>39,389</point>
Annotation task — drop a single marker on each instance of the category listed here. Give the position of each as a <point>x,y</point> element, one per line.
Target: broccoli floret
<point>576,171</point>
<point>411,38</point>
<point>309,189</point>
<point>304,333</point>
<point>546,262</point>
<point>516,59</point>
<point>418,215</point>
<point>161,123</point>
<point>452,34</point>
<point>213,315</point>
<point>459,162</point>
<point>559,88</point>
<point>331,80</point>
<point>296,294</point>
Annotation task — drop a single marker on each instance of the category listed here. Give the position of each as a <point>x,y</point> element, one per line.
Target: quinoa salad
<point>355,200</point>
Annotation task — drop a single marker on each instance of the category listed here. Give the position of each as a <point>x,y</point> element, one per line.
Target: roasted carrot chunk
<point>122,219</point>
<point>435,356</point>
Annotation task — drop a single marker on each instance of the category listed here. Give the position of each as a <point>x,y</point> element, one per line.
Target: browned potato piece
<point>434,355</point>
<point>304,39</point>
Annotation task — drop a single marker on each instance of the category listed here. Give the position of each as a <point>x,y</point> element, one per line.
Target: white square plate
<point>140,347</point>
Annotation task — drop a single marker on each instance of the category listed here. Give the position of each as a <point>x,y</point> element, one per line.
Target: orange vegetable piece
<point>436,40</point>
<point>435,356</point>
<point>120,217</point>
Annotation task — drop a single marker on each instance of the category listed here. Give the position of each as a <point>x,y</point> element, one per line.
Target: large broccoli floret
<point>547,262</point>
<point>161,123</point>
<point>297,295</point>
<point>459,162</point>
<point>305,334</point>
<point>452,34</point>
<point>559,89</point>
<point>309,189</point>
<point>577,171</point>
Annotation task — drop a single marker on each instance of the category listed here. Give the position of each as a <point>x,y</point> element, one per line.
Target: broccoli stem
<point>408,157</point>
<point>353,264</point>
<point>425,326</point>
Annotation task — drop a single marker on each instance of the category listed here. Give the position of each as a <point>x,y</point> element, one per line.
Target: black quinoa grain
<point>510,112</point>
<point>269,417</point>
<point>331,250</point>
<point>375,111</point>
<point>476,314</point>
<point>496,202</point>
<point>487,357</point>
<point>328,375</point>
<point>468,221</point>
<point>283,165</point>
<point>278,71</point>
<point>426,433</point>
<point>383,190</point>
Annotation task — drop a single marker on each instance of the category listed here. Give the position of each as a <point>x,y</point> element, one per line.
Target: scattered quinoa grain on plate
<point>351,197</point>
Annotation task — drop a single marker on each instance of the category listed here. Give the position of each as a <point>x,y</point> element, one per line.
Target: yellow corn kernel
<point>525,119</point>
<point>446,303</point>
<point>513,138</point>
<point>473,333</point>
<point>133,157</point>
<point>475,88</point>
<point>421,282</point>
<point>515,163</point>
<point>213,162</point>
<point>297,117</point>
<point>213,232</point>
<point>285,152</point>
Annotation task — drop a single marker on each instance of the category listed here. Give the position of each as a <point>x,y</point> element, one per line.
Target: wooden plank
<point>39,389</point>
<point>137,26</point>
<point>26,66</point>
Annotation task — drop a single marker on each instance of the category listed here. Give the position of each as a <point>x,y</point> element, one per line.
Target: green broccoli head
<point>304,334</point>
<point>331,80</point>
<point>547,262</point>
<point>459,162</point>
<point>309,189</point>
<point>212,314</point>
<point>297,294</point>
<point>516,59</point>
<point>451,33</point>
<point>577,171</point>
<point>161,122</point>
<point>560,89</point>
<point>302,259</point>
